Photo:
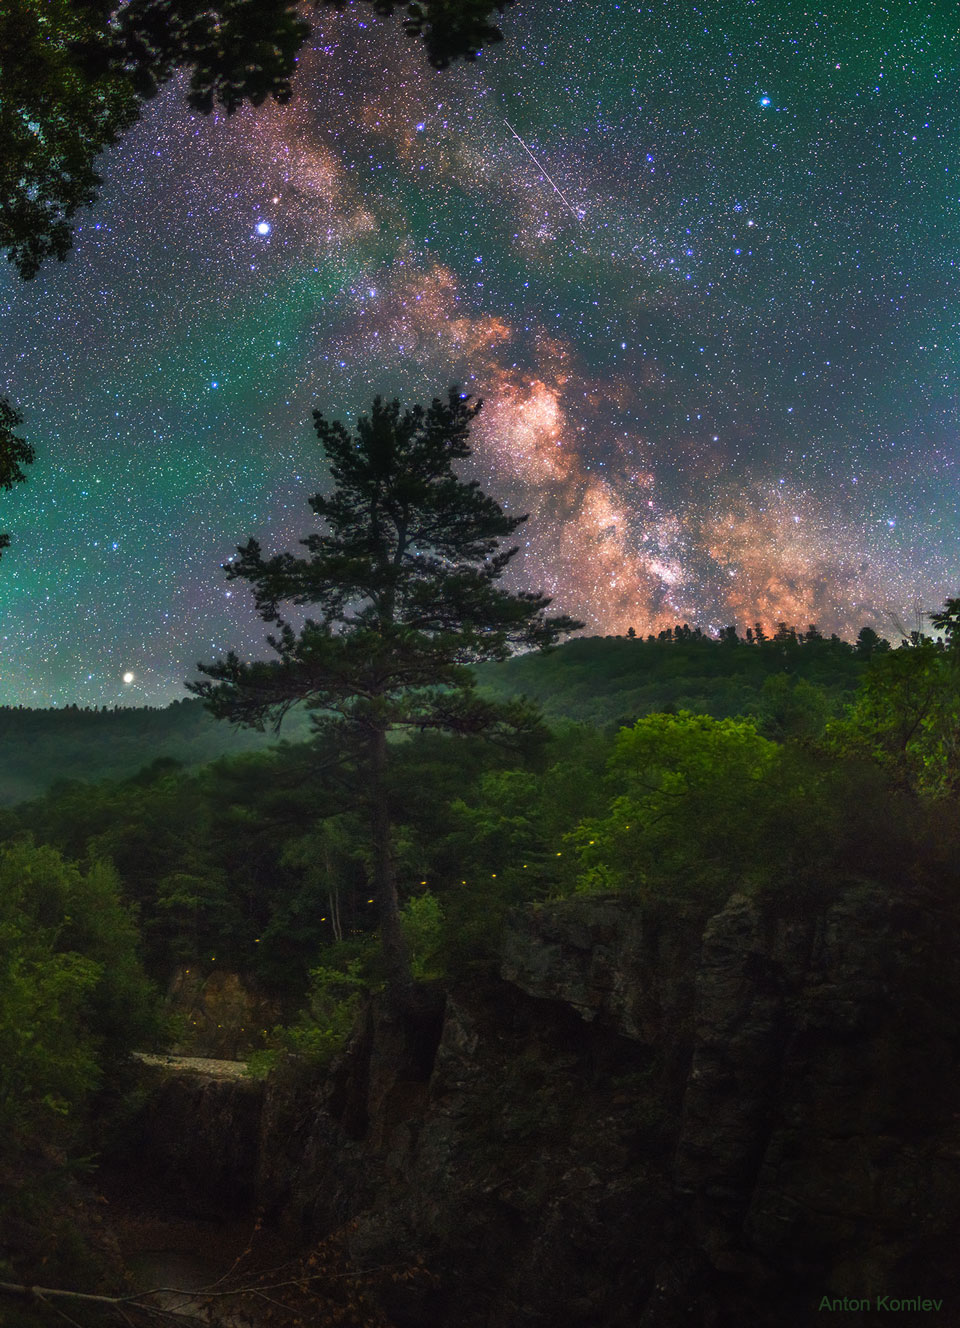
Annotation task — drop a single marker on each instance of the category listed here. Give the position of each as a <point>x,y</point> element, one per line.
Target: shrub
<point>692,797</point>
<point>73,998</point>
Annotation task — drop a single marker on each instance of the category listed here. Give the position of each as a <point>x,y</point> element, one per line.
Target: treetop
<point>401,580</point>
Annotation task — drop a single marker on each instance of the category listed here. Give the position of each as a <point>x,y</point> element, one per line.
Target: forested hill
<point>791,681</point>
<point>38,747</point>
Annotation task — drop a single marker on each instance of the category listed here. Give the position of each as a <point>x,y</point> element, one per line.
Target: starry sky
<point>700,261</point>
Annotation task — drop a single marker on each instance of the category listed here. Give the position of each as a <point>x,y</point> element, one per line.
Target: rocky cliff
<point>645,1121</point>
<point>219,1014</point>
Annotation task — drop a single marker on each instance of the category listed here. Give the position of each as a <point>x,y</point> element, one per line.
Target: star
<point>642,391</point>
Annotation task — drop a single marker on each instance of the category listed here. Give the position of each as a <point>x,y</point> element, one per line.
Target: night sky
<point>701,263</point>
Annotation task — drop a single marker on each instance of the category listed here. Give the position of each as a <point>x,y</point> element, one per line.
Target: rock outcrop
<point>221,1015</point>
<point>197,1139</point>
<point>649,1121</point>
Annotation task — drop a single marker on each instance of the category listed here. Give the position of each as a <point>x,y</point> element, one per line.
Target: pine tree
<point>404,577</point>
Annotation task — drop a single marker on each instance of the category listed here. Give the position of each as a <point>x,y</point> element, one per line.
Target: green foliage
<point>699,808</point>
<point>338,987</point>
<point>202,856</point>
<point>263,859</point>
<point>870,644</point>
<point>451,29</point>
<point>121,1010</point>
<point>318,1042</point>
<point>47,1071</point>
<point>422,921</point>
<point>39,748</point>
<point>610,681</point>
<point>73,998</point>
<point>687,817</point>
<point>599,682</point>
<point>221,861</point>
<point>791,707</point>
<point>906,715</point>
<point>497,833</point>
<point>332,862</point>
<point>73,1001</point>
<point>497,842</point>
<point>262,1063</point>
<point>267,855</point>
<point>323,1027</point>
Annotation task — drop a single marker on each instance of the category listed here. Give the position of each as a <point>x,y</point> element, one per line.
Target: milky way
<point>701,263</point>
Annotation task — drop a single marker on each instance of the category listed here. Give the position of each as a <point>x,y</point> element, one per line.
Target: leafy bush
<point>422,921</point>
<point>73,998</point>
<point>906,718</point>
<point>689,812</point>
<point>338,987</point>
<point>323,1027</point>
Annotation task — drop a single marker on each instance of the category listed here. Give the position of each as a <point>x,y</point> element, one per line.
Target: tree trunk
<point>393,942</point>
<point>333,890</point>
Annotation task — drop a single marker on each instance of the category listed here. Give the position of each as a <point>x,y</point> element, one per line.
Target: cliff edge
<point>647,1120</point>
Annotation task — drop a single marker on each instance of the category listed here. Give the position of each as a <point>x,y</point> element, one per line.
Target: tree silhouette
<point>15,453</point>
<point>74,73</point>
<point>54,120</point>
<point>405,577</point>
<point>947,621</point>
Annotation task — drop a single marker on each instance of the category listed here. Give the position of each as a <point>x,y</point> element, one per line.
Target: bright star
<point>128,677</point>
<point>764,101</point>
<point>263,228</point>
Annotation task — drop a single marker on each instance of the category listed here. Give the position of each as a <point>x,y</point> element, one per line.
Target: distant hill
<point>38,747</point>
<point>790,682</point>
<point>612,680</point>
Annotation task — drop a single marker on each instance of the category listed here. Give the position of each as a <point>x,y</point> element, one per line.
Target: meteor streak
<point>556,187</point>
